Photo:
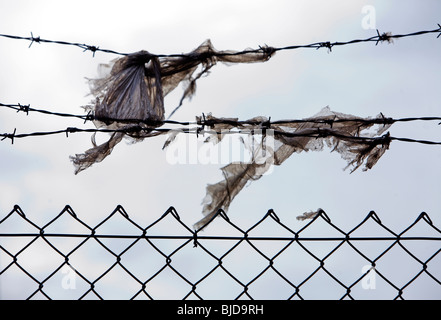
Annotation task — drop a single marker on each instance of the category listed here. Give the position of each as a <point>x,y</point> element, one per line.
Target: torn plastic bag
<point>131,93</point>
<point>295,137</point>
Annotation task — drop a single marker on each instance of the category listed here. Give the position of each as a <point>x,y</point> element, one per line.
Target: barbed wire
<point>26,108</point>
<point>379,37</point>
<point>83,46</point>
<point>155,127</point>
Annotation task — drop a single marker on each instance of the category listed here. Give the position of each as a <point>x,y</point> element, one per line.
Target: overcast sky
<point>399,80</point>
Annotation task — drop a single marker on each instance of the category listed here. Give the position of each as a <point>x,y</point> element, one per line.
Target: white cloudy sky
<point>399,80</point>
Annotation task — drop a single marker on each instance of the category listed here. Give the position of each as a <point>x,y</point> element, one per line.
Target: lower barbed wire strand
<point>319,133</point>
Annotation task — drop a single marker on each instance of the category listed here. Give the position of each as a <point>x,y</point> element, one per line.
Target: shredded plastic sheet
<point>134,87</point>
<point>340,137</point>
<point>309,215</point>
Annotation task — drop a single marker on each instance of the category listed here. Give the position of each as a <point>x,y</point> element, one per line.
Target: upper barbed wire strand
<point>379,37</point>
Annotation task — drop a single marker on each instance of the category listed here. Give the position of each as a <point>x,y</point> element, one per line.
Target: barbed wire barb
<point>37,40</point>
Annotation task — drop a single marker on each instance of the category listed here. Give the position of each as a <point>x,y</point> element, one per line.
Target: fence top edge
<point>322,215</point>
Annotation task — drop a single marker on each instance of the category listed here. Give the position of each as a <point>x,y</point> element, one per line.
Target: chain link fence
<point>119,259</point>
